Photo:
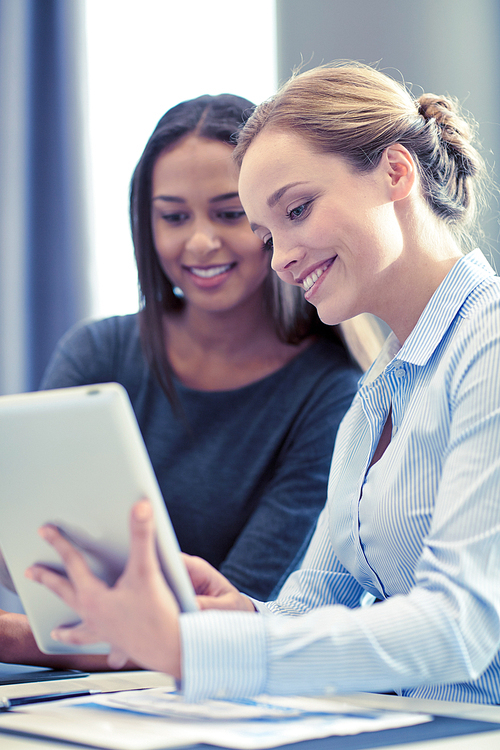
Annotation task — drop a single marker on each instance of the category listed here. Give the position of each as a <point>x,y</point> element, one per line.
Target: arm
<point>446,629</point>
<point>138,615</point>
<point>275,538</point>
<point>18,646</point>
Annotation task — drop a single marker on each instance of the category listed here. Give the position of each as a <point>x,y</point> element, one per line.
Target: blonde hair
<point>357,111</point>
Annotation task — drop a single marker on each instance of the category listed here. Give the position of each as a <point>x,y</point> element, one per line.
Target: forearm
<point>18,646</point>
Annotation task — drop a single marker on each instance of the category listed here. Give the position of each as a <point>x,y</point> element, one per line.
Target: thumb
<point>117,658</point>
<point>143,558</point>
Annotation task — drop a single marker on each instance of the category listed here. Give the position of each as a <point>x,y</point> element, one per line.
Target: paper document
<point>159,702</point>
<point>154,719</point>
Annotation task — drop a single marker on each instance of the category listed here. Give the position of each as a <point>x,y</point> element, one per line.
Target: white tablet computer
<point>75,457</point>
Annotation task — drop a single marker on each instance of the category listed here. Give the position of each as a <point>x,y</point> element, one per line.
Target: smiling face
<point>334,231</point>
<point>201,233</point>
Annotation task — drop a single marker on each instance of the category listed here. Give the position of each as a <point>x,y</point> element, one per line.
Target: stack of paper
<point>156,718</point>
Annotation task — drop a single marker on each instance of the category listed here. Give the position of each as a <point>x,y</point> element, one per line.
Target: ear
<point>400,169</point>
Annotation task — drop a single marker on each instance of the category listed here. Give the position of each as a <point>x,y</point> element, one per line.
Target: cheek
<point>164,243</point>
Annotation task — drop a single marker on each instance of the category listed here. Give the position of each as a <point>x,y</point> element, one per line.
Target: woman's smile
<point>311,281</point>
<point>208,277</point>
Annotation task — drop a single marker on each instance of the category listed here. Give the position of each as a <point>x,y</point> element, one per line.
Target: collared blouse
<point>418,530</point>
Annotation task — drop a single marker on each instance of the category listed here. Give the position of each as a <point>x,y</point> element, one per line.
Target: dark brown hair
<point>216,118</point>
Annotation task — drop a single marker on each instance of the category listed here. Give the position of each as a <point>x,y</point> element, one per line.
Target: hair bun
<point>434,107</point>
<point>445,113</point>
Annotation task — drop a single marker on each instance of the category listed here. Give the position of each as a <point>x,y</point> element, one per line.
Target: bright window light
<point>143,57</point>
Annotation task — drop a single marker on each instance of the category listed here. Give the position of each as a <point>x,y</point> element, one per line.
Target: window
<point>143,57</point>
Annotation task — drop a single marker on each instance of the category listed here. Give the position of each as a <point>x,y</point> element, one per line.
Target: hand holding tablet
<point>74,458</point>
<point>138,602</point>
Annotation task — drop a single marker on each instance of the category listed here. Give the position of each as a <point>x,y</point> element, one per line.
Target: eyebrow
<point>278,194</point>
<point>215,199</point>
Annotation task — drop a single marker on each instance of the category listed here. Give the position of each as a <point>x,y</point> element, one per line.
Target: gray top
<point>244,473</point>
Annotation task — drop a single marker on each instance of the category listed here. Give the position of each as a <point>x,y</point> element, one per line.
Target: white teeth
<point>314,276</point>
<point>208,273</point>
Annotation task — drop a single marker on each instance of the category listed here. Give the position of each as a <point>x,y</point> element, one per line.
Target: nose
<point>203,239</point>
<point>286,259</point>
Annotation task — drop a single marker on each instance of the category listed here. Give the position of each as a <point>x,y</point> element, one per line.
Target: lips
<point>309,281</point>
<point>209,272</point>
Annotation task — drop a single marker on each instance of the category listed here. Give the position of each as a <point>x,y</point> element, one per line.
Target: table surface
<point>489,740</point>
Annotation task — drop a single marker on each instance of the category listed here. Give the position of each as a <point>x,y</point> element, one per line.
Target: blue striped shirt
<point>420,530</point>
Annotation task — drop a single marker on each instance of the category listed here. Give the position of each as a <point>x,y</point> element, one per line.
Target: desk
<point>481,740</point>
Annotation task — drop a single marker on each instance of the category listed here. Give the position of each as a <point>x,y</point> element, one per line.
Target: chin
<point>331,313</point>
<point>329,318</point>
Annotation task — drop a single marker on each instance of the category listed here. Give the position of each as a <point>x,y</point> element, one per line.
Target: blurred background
<point>83,83</point>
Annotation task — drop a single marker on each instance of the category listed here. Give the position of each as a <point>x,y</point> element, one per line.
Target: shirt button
<point>401,373</point>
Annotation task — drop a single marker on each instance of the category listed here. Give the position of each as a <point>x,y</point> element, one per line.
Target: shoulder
<point>484,300</point>
<point>479,316</point>
<point>473,352</point>
<point>94,351</point>
<point>101,335</point>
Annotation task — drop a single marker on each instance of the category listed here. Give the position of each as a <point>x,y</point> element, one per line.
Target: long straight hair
<point>217,118</point>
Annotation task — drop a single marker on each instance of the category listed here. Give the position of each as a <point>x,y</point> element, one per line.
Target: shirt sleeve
<point>275,538</point>
<point>233,654</point>
<point>445,630</point>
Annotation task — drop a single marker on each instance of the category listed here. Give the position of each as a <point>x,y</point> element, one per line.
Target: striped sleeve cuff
<point>223,654</point>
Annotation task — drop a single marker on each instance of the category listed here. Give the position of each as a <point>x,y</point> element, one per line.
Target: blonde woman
<point>366,197</point>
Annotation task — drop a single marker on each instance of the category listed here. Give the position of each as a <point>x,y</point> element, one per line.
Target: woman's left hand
<point>137,616</point>
<point>213,590</point>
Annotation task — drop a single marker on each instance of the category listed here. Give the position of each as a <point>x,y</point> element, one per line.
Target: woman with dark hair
<point>211,119</point>
<point>367,197</point>
<point>237,386</point>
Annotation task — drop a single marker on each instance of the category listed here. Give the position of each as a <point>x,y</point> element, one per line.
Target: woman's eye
<point>235,215</point>
<point>177,218</point>
<point>268,244</point>
<point>298,212</point>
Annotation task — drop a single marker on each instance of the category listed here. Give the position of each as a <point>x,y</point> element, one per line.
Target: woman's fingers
<point>213,590</point>
<point>205,578</point>
<point>56,582</point>
<point>138,615</point>
<point>79,635</point>
<point>74,561</point>
<point>143,559</point>
<point>78,578</point>
<point>117,658</point>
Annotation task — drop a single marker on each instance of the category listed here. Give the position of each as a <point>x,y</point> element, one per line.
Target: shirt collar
<point>438,314</point>
<point>443,306</point>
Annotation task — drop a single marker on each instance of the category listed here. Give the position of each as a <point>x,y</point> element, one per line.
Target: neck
<point>225,332</point>
<point>415,296</point>
<point>428,256</point>
<point>225,350</point>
